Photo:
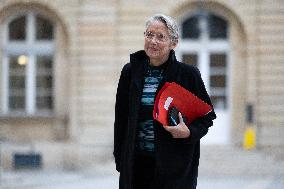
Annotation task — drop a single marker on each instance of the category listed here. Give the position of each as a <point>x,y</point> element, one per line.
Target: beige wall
<point>94,42</point>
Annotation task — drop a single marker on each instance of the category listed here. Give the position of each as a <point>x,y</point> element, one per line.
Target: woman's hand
<point>179,131</point>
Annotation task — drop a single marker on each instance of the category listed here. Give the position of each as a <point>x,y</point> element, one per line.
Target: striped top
<point>145,139</point>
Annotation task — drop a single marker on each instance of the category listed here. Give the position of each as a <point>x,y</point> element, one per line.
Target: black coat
<point>176,159</point>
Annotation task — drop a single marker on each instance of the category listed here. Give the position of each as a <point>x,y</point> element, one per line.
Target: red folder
<point>186,102</point>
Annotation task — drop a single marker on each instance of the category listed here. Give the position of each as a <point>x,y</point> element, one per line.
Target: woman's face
<point>158,42</point>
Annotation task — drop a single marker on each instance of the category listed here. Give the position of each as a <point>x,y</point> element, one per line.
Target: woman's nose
<point>154,40</point>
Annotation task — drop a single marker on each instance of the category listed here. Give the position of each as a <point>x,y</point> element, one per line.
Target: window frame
<point>30,47</point>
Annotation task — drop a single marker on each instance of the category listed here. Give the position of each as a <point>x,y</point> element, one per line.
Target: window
<point>190,28</point>
<point>17,29</point>
<point>193,27</point>
<point>28,62</point>
<point>205,45</point>
<point>190,59</point>
<point>217,27</point>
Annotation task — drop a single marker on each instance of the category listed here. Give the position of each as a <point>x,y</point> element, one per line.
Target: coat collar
<point>139,60</point>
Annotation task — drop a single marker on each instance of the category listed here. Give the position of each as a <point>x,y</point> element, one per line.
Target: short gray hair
<point>169,22</point>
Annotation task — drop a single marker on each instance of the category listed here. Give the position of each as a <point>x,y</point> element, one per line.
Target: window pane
<point>44,29</point>
<point>44,103</point>
<point>17,83</point>
<point>17,65</point>
<point>190,28</point>
<point>17,29</point>
<point>217,27</point>
<point>44,83</point>
<point>190,59</point>
<point>16,103</point>
<point>44,63</point>
<point>218,60</point>
<point>218,79</point>
<point>219,102</point>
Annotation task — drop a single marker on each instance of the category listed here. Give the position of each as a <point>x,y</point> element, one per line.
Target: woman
<point>149,155</point>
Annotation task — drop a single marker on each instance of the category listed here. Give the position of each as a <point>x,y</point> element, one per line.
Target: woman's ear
<point>174,44</point>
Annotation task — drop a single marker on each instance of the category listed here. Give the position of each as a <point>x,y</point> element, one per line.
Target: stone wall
<point>95,39</point>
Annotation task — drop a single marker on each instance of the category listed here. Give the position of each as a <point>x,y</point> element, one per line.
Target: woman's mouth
<point>153,49</point>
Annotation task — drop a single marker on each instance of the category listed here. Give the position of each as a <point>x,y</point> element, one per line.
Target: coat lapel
<point>171,70</point>
<point>139,61</point>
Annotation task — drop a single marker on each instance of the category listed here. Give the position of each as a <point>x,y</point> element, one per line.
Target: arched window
<point>217,26</point>
<point>28,59</point>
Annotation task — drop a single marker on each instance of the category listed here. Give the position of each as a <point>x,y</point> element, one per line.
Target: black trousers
<point>144,172</point>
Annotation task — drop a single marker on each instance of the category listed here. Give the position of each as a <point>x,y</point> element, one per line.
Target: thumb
<point>180,118</point>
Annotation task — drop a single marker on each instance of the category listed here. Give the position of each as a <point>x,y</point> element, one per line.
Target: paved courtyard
<point>109,180</point>
<point>220,168</point>
<point>33,180</point>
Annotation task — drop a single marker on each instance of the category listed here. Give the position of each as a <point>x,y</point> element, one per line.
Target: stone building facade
<point>60,63</point>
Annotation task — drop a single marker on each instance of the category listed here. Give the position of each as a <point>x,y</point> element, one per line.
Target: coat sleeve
<point>200,126</point>
<point>121,113</point>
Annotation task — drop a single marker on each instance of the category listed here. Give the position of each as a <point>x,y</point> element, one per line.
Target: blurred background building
<point>60,63</point>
